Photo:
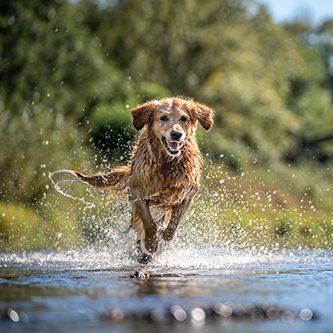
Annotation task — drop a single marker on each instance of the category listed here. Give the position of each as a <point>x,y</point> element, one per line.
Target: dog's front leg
<point>177,214</point>
<point>149,225</point>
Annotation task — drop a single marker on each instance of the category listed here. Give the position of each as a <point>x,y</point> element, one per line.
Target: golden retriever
<point>164,173</point>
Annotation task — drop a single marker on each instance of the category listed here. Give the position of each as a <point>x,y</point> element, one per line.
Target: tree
<point>46,57</point>
<point>51,74</point>
<point>237,60</point>
<point>311,91</point>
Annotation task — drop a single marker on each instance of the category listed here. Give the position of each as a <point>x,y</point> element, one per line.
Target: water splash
<point>58,188</point>
<point>121,256</point>
<point>226,227</point>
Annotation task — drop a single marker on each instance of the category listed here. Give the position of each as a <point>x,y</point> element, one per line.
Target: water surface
<point>68,291</point>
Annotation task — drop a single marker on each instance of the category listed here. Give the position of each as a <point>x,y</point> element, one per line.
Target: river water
<point>71,291</point>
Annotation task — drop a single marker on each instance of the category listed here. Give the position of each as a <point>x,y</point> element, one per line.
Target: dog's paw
<point>144,258</point>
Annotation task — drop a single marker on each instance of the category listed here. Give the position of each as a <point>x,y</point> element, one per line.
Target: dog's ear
<point>142,114</point>
<point>204,114</point>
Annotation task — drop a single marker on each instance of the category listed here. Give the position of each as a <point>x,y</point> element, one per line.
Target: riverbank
<point>285,207</point>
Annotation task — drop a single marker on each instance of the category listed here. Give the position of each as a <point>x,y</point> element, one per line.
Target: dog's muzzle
<point>173,147</point>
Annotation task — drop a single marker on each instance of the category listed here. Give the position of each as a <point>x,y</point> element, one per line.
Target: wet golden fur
<point>162,177</point>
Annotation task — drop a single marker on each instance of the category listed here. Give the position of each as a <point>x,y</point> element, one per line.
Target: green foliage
<point>316,112</point>
<point>32,147</point>
<point>18,226</point>
<point>284,227</point>
<point>47,58</point>
<point>112,128</point>
<point>243,64</point>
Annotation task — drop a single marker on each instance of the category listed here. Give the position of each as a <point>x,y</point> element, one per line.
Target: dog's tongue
<point>174,145</point>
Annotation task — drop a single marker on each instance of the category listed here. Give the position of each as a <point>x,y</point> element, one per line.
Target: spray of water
<point>174,259</point>
<point>57,186</point>
<point>226,227</point>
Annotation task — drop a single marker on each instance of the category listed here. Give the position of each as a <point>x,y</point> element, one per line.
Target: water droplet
<point>198,314</point>
<point>178,312</point>
<point>306,314</point>
<point>13,315</point>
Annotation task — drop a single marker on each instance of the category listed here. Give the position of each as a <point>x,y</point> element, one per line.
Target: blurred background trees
<point>269,83</point>
<point>71,70</point>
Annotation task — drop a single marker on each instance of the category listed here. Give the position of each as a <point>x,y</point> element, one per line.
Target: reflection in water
<point>171,284</point>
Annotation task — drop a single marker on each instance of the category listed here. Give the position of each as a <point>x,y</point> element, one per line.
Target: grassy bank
<point>286,207</point>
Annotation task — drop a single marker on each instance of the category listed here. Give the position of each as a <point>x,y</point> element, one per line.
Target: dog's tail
<point>116,179</point>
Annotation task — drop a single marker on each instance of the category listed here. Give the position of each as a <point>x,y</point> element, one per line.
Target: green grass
<point>268,208</point>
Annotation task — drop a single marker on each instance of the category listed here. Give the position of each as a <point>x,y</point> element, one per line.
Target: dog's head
<point>173,121</point>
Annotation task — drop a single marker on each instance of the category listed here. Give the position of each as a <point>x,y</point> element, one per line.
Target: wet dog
<point>165,168</point>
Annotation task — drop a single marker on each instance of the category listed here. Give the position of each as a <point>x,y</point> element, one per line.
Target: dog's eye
<point>164,119</point>
<point>183,119</point>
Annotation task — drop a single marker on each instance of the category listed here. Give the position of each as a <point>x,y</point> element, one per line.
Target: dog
<point>165,168</point>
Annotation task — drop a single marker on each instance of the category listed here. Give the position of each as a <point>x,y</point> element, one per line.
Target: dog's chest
<point>165,181</point>
<point>171,184</point>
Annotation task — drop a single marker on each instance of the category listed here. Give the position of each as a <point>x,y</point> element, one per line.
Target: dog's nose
<point>175,135</point>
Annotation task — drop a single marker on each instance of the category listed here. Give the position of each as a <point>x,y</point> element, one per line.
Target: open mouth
<point>172,147</point>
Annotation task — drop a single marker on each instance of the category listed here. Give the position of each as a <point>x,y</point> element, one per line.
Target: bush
<point>111,121</point>
<point>32,147</point>
<point>18,226</point>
